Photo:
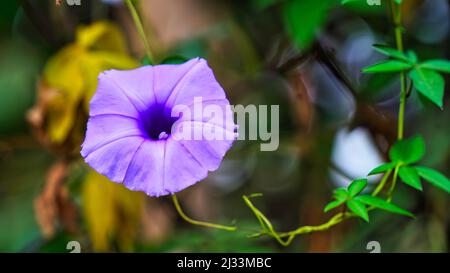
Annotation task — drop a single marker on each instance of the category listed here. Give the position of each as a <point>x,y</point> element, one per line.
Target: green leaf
<point>303,19</point>
<point>382,168</point>
<point>438,65</point>
<point>387,66</point>
<point>398,2</point>
<point>333,205</point>
<point>343,2</point>
<point>340,194</point>
<point>412,56</point>
<point>145,61</point>
<point>382,204</point>
<point>174,60</point>
<point>356,187</point>
<point>408,150</point>
<point>410,177</point>
<point>358,208</point>
<point>391,52</point>
<point>435,178</point>
<point>429,83</point>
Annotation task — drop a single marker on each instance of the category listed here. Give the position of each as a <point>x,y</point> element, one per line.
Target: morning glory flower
<point>140,126</point>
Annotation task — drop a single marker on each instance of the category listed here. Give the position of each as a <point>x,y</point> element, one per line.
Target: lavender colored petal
<point>208,152</point>
<point>110,98</point>
<point>184,171</point>
<point>113,159</point>
<point>163,167</point>
<point>146,170</point>
<point>126,92</point>
<point>219,113</point>
<point>169,76</point>
<point>138,84</point>
<point>103,129</point>
<point>198,82</point>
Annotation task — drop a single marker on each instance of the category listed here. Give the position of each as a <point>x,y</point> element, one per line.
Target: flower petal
<point>113,159</point>
<point>199,81</point>
<point>137,83</point>
<point>210,149</point>
<point>214,111</point>
<point>163,167</point>
<point>184,169</point>
<point>146,170</point>
<point>169,76</point>
<point>126,93</point>
<point>103,129</point>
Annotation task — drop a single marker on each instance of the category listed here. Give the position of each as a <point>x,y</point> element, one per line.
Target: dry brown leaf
<point>53,205</point>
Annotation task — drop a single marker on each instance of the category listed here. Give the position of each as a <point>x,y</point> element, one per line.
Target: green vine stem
<point>394,182</point>
<point>285,238</point>
<point>195,222</point>
<point>140,29</point>
<point>382,183</point>
<point>269,230</point>
<point>396,18</point>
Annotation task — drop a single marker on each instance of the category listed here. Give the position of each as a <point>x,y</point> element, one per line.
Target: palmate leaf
<point>408,150</point>
<point>356,187</point>
<point>358,208</point>
<point>410,177</point>
<point>433,177</point>
<point>387,66</point>
<point>383,168</point>
<point>392,52</point>
<point>340,194</point>
<point>382,204</point>
<point>333,205</point>
<point>429,83</point>
<point>438,65</point>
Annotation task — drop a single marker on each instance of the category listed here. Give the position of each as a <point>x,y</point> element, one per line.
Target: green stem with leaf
<point>339,217</point>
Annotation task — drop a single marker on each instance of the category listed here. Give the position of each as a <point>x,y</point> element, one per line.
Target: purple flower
<point>134,138</point>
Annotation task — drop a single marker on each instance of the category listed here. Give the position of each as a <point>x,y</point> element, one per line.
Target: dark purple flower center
<point>157,122</point>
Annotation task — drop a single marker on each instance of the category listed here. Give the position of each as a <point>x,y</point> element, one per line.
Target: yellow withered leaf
<point>112,213</point>
<point>73,71</point>
<point>63,72</point>
<point>103,36</point>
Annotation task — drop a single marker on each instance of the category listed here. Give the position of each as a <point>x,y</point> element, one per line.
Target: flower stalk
<point>140,29</point>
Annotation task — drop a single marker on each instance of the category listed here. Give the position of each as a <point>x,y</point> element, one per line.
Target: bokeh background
<point>304,55</point>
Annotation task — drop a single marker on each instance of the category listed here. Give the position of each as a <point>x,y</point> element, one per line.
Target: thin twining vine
<point>403,154</point>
